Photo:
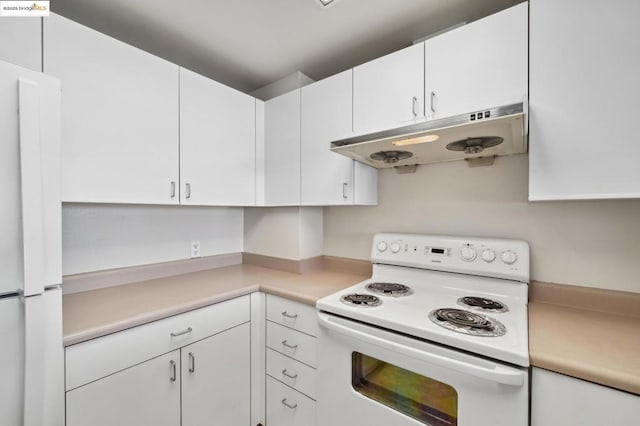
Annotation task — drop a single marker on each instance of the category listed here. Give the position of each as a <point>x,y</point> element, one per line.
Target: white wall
<point>287,232</point>
<point>588,243</point>
<point>99,237</point>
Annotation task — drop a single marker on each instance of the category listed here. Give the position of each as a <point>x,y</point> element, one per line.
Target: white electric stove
<point>445,315</point>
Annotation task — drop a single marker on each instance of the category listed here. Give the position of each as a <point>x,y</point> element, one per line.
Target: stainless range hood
<point>486,133</point>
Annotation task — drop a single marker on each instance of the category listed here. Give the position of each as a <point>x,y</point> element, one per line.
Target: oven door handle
<point>498,374</point>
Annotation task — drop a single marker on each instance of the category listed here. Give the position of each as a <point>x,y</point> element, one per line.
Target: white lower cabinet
<point>205,381</point>
<point>216,379</point>
<point>557,399</point>
<point>145,394</point>
<point>291,329</point>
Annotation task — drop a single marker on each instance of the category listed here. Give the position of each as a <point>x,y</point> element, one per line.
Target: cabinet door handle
<point>174,373</point>
<point>172,189</point>
<point>414,106</point>
<point>286,404</point>
<point>286,374</point>
<point>287,345</point>
<point>188,190</point>
<point>344,189</point>
<point>192,363</point>
<point>431,101</point>
<point>181,332</point>
<point>287,315</point>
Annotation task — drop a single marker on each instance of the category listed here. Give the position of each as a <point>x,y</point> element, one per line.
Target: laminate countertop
<point>596,346</point>
<point>582,341</point>
<point>96,313</point>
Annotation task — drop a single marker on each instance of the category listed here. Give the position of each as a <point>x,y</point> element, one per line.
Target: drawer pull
<point>180,333</point>
<point>174,374</point>
<point>192,363</point>
<point>287,315</point>
<point>287,345</point>
<point>286,374</point>
<point>286,404</point>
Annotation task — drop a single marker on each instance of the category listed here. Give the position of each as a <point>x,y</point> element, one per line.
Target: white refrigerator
<point>31,351</point>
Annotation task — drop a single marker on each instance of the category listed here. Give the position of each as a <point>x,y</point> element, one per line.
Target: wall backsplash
<point>588,243</point>
<point>98,237</point>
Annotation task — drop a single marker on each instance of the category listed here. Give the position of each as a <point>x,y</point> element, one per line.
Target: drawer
<point>292,343</point>
<point>106,355</point>
<point>292,314</point>
<point>291,372</point>
<point>298,411</point>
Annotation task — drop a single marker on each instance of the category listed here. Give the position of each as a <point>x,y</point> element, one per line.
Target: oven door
<point>374,377</point>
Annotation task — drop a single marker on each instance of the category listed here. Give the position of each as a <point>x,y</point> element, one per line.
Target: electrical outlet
<point>195,248</point>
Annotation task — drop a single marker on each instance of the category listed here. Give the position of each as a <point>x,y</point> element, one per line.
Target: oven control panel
<point>491,257</point>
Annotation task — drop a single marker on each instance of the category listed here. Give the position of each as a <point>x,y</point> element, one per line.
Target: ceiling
<point>248,44</point>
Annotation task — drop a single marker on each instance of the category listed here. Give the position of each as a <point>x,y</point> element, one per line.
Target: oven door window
<point>432,402</point>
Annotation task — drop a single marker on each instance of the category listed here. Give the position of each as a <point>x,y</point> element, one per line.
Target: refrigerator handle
<point>33,228</point>
<point>34,362</point>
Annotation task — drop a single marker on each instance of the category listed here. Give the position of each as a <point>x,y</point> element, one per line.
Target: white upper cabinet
<point>480,65</point>
<point>328,178</point>
<point>583,105</point>
<point>21,42</point>
<point>282,150</point>
<point>389,91</point>
<point>119,117</point>
<point>217,143</point>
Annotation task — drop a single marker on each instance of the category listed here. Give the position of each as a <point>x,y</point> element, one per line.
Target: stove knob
<point>395,247</point>
<point>468,253</point>
<point>509,257</point>
<point>488,255</point>
<point>382,246</point>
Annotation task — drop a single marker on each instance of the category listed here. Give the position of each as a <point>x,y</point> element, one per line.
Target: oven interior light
<point>416,140</point>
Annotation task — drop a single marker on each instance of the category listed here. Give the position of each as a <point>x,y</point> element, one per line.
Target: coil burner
<point>361,300</point>
<point>389,289</point>
<point>483,304</point>
<point>466,322</point>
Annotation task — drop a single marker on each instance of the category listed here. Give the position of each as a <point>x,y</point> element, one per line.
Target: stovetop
<point>488,314</point>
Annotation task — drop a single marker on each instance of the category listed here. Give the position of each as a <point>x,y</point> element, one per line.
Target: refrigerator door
<point>32,360</point>
<point>30,218</point>
<point>11,360</point>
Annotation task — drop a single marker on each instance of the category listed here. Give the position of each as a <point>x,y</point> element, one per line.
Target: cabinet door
<point>216,382</point>
<point>561,400</point>
<point>282,150</point>
<point>21,42</point>
<point>479,65</point>
<point>146,394</point>
<point>389,91</point>
<point>119,117</point>
<point>327,177</point>
<point>217,143</point>
<point>584,91</point>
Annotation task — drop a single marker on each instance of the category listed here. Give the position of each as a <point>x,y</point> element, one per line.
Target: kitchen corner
<point>278,213</point>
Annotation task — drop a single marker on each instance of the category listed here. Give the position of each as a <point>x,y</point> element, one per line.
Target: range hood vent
<point>486,133</point>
